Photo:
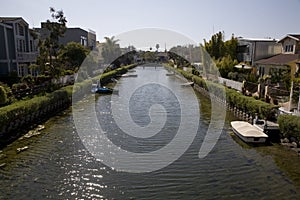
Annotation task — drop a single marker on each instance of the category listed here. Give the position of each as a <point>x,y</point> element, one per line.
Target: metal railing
<point>27,56</point>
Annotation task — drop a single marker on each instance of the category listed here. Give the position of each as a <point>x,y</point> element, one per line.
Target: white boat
<point>188,84</point>
<point>170,74</point>
<point>129,75</point>
<point>248,133</point>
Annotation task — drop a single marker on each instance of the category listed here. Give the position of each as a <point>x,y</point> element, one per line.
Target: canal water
<point>59,165</point>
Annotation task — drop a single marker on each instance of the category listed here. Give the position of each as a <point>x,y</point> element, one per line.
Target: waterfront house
<point>18,47</point>
<point>83,37</point>
<point>253,49</point>
<point>288,60</point>
<point>290,44</point>
<point>76,34</point>
<point>283,67</point>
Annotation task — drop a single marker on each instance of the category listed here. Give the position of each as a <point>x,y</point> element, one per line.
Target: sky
<point>194,19</point>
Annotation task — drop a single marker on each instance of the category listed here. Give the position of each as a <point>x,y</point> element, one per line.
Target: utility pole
<point>291,96</point>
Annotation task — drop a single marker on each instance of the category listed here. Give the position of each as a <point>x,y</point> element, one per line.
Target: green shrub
<point>289,126</point>
<point>23,108</point>
<point>68,72</point>
<point>28,79</point>
<point>19,86</point>
<point>234,98</point>
<point>9,94</point>
<point>106,77</point>
<point>27,107</point>
<point>199,81</point>
<point>3,96</point>
<point>42,79</point>
<point>185,74</point>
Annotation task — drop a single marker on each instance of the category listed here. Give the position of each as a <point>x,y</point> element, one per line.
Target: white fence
<point>65,80</point>
<point>230,83</point>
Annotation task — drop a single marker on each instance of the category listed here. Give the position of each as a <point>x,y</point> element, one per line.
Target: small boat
<point>248,133</point>
<point>188,84</point>
<point>96,88</point>
<point>129,75</point>
<point>170,74</point>
<point>22,149</point>
<point>2,165</point>
<point>101,90</point>
<point>104,90</point>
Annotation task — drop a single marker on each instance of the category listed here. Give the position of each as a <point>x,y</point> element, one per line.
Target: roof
<point>292,36</point>
<point>11,19</point>
<point>3,19</point>
<point>258,39</point>
<point>281,59</point>
<point>295,36</point>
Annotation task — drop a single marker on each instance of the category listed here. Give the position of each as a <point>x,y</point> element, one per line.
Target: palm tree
<point>111,49</point>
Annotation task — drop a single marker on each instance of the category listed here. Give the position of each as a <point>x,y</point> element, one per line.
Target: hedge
<point>23,108</point>
<point>106,77</point>
<point>247,104</point>
<point>289,126</point>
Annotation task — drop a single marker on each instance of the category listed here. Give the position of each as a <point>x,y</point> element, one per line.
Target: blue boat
<point>104,90</point>
<point>96,88</point>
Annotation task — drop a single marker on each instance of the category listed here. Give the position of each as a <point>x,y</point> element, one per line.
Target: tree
<point>157,47</point>
<point>49,47</point>
<point>215,46</point>
<point>218,48</point>
<point>225,65</point>
<point>149,56</point>
<point>72,55</point>
<point>223,52</point>
<point>111,50</point>
<point>231,47</point>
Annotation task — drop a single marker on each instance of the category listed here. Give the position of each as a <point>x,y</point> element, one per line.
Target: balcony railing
<point>27,56</point>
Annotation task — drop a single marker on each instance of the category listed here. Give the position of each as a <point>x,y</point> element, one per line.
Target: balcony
<point>27,56</point>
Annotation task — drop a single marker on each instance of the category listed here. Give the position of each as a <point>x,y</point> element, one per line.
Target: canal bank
<point>244,106</point>
<point>285,158</point>
<point>21,116</point>
<point>57,166</point>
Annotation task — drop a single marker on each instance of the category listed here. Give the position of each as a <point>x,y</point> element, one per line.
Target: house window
<point>21,46</point>
<point>34,72</point>
<point>83,41</point>
<point>22,70</point>
<point>21,30</point>
<point>261,71</point>
<point>289,48</point>
<point>31,46</point>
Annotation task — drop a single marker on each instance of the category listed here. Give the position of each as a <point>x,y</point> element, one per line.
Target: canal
<point>60,164</point>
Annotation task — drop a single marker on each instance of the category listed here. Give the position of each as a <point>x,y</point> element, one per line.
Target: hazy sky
<point>196,19</point>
